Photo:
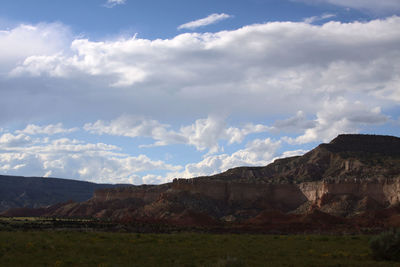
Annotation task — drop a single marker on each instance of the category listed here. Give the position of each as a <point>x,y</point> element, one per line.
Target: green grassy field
<point>74,248</point>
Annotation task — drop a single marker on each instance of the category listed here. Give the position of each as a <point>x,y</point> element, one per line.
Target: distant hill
<point>35,192</point>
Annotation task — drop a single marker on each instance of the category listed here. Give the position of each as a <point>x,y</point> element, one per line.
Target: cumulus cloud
<point>135,126</point>
<point>51,129</point>
<point>71,158</point>
<point>211,19</point>
<point>92,58</point>
<point>272,65</point>
<point>11,140</point>
<point>338,117</point>
<point>206,133</point>
<point>99,162</point>
<point>258,152</point>
<point>203,133</point>
<point>113,3</point>
<point>26,40</point>
<point>272,68</point>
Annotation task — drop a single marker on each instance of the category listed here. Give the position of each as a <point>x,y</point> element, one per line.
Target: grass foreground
<point>77,248</point>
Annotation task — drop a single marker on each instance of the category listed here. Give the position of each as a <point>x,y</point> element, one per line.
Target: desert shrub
<point>386,246</point>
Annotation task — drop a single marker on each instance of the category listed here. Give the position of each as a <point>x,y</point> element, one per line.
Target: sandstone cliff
<point>351,175</point>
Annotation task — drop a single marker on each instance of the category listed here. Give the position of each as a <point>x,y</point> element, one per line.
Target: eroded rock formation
<point>351,175</point>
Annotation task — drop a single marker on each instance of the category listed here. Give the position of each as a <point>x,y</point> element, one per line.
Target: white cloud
<point>112,3</point>
<point>313,19</point>
<point>50,129</point>
<point>206,133</point>
<point>270,68</point>
<point>338,117</point>
<point>91,58</point>
<point>99,162</point>
<point>134,126</point>
<point>10,140</point>
<point>203,133</point>
<point>211,19</point>
<point>258,68</point>
<point>258,152</point>
<point>26,40</point>
<point>70,158</point>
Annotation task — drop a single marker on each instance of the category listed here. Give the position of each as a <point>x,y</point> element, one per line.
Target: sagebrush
<point>386,246</point>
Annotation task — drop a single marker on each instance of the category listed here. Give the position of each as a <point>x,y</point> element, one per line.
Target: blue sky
<point>159,19</point>
<point>145,91</point>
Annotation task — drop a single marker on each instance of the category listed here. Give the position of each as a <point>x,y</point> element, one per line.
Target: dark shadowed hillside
<point>34,192</point>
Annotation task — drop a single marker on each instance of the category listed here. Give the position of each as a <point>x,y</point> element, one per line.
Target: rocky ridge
<point>354,177</point>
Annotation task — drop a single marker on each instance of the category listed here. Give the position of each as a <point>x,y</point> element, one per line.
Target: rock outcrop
<point>348,177</point>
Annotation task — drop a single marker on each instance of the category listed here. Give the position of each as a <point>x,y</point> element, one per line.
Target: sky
<point>141,92</point>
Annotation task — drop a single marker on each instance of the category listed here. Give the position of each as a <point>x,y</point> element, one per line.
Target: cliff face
<point>146,193</point>
<point>385,192</point>
<point>289,197</point>
<point>350,175</point>
<point>283,196</point>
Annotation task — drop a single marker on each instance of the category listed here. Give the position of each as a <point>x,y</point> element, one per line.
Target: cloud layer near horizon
<point>298,82</point>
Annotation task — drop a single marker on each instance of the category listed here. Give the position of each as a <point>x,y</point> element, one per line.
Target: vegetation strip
<point>66,248</point>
